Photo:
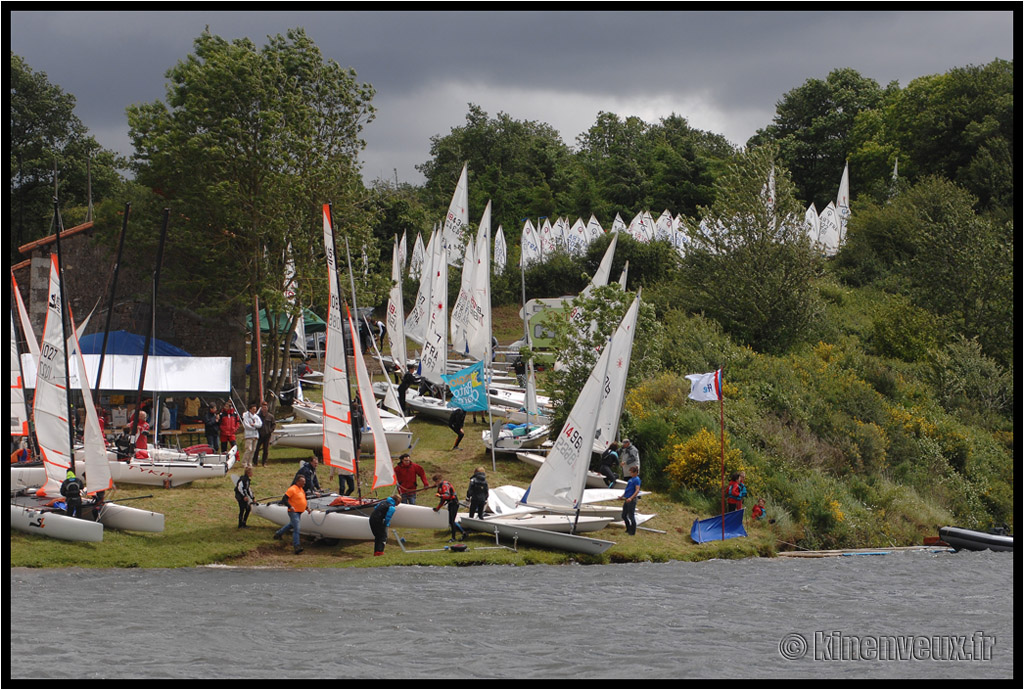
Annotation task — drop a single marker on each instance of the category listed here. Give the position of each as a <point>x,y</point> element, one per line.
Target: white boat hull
<point>319,523</point>
<point>594,479</point>
<point>157,472</point>
<point>572,543</point>
<point>54,525</point>
<point>507,443</point>
<point>552,522</point>
<point>406,515</point>
<point>310,436</point>
<point>25,477</point>
<point>117,516</point>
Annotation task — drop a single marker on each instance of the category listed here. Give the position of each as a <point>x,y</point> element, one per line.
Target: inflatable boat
<point>972,540</point>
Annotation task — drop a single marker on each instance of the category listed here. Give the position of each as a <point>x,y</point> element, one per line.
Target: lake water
<point>907,615</point>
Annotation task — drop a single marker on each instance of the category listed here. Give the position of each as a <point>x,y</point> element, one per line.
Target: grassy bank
<point>201,521</point>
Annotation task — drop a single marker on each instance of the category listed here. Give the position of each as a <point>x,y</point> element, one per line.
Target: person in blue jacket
<point>629,499</point>
<point>380,519</point>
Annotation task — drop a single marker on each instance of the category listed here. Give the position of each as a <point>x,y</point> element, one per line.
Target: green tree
<point>45,134</point>
<point>578,343</point>
<point>812,126</point>
<point>750,265</point>
<point>247,146</point>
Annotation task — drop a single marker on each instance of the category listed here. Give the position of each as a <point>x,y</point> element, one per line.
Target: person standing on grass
<point>629,499</point>
<point>266,429</point>
<point>211,423</point>
<point>477,493</point>
<point>296,499</point>
<point>251,424</point>
<point>455,422</point>
<point>245,498</point>
<point>406,472</point>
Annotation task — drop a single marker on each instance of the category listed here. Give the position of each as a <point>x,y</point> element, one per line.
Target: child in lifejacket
<point>758,512</point>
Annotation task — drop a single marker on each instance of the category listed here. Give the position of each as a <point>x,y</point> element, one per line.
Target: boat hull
<point>971,540</point>
<point>54,525</point>
<point>117,516</point>
<point>405,515</point>
<point>310,436</point>
<point>29,476</point>
<point>572,543</point>
<point>594,480</point>
<point>507,443</point>
<point>319,523</point>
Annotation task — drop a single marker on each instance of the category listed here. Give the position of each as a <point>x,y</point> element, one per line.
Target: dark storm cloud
<point>724,71</point>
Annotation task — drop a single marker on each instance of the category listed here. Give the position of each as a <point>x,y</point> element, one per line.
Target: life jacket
<point>446,492</point>
<point>609,458</point>
<point>72,488</point>
<point>456,419</point>
<point>737,492</point>
<point>758,512</point>
<point>478,488</point>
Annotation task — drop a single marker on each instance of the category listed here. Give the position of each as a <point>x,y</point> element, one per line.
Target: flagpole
<point>721,407</point>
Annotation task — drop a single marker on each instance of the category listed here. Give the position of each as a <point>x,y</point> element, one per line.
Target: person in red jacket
<point>406,472</point>
<point>736,491</point>
<point>229,424</point>
<point>448,497</point>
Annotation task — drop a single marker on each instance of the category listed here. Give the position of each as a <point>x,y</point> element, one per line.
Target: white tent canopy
<point>163,374</point>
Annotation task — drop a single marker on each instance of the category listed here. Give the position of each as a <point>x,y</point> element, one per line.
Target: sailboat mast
<point>348,383</point>
<point>59,223</point>
<point>113,292</point>
<point>150,334</point>
<point>348,377</point>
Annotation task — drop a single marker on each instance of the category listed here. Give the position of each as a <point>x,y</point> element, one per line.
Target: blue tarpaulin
<point>710,529</point>
<point>125,343</point>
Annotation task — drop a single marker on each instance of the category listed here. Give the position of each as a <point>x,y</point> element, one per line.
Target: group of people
<point>257,424</point>
<point>736,492</point>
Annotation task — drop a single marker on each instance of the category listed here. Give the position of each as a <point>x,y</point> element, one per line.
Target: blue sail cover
<point>710,529</point>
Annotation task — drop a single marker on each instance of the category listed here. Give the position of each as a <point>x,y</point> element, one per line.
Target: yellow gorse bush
<point>697,462</point>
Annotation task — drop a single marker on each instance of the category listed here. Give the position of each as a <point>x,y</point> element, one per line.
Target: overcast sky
<point>723,71</point>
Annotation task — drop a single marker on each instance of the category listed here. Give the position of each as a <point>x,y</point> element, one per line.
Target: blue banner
<point>468,388</point>
<point>711,528</point>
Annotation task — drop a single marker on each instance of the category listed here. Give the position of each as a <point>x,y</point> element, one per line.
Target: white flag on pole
<point>706,386</point>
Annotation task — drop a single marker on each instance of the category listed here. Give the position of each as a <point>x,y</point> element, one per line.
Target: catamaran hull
<point>405,515</point>
<point>25,477</point>
<point>319,523</point>
<point>310,436</point>
<point>165,473</point>
<point>572,543</point>
<point>117,516</point>
<point>54,525</point>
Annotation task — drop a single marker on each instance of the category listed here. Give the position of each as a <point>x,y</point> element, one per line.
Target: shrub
<point>904,331</point>
<point>697,463</point>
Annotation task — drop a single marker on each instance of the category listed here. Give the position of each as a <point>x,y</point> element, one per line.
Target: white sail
<point>339,444</point>
<point>843,203</point>
<point>828,233</point>
<point>416,322</point>
<point>531,243</point>
<point>394,318</point>
<point>383,470</point>
<point>403,250</point>
<point>19,411</point>
<point>811,223</point>
<point>478,317</point>
<point>50,408</point>
<point>663,227</point>
<point>547,239</point>
<point>97,468</point>
<point>604,269</point>
<point>594,229</point>
<point>433,361</point>
<point>579,238</point>
<point>418,254</point>
<point>500,252</point>
<point>620,353</point>
<point>561,479</point>
<point>618,225</point>
<point>26,325</point>
<point>622,276</point>
<point>460,311</point>
<point>457,219</point>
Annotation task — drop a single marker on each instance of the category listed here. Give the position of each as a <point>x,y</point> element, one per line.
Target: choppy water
<point>734,619</point>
